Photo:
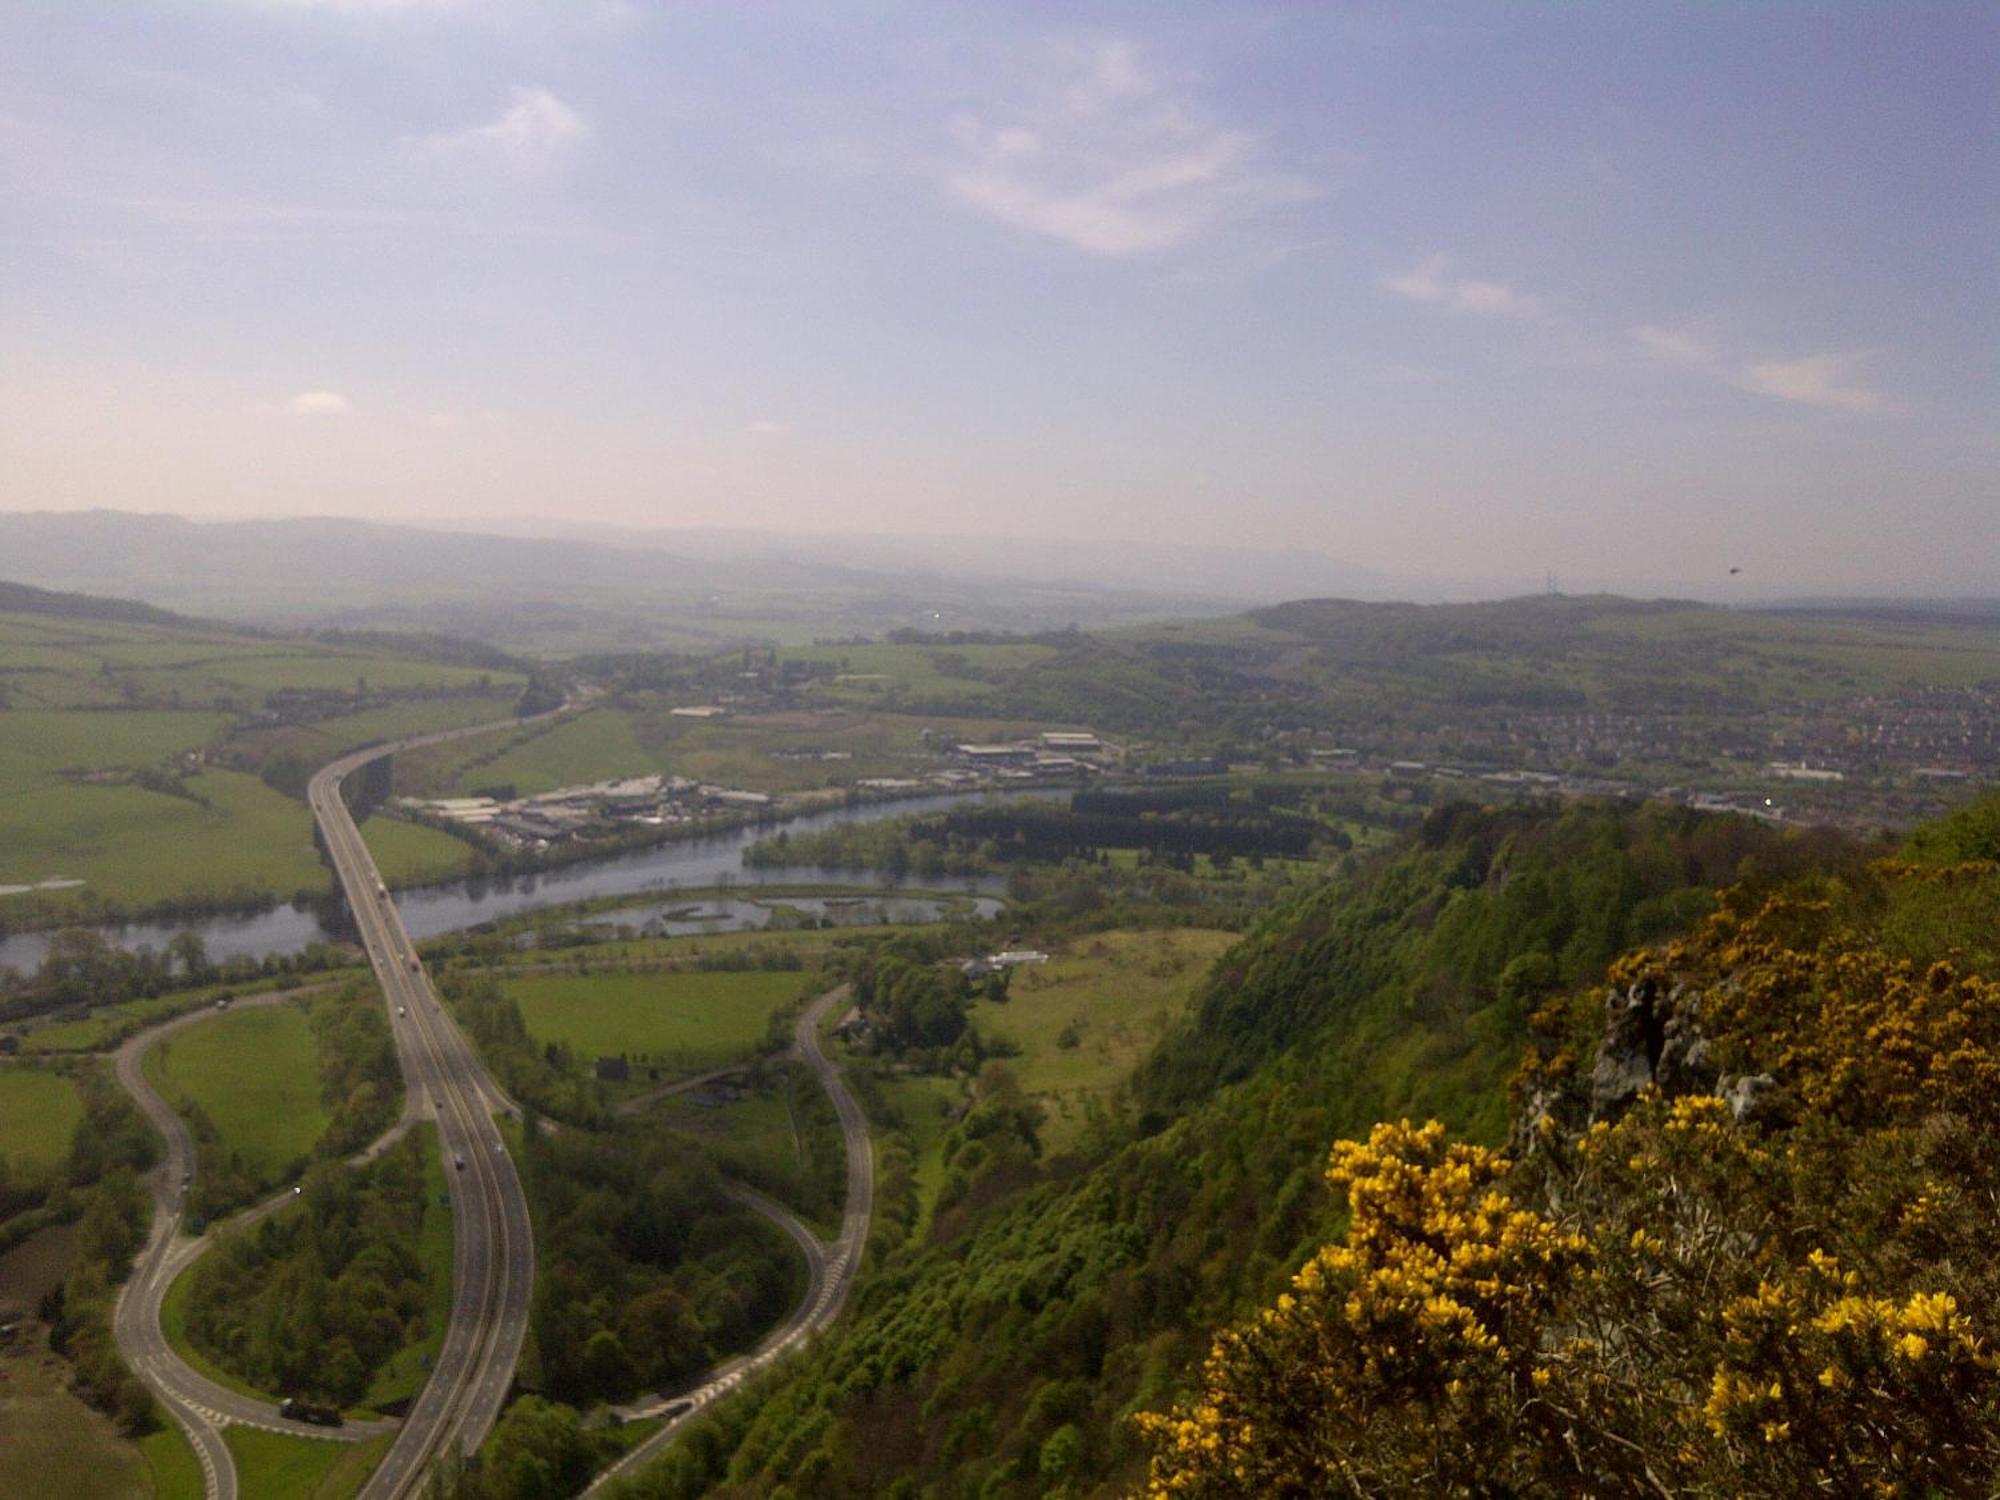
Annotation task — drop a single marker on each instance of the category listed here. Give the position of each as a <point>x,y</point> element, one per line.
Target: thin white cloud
<point>319,404</point>
<point>1817,380</point>
<point>1103,155</point>
<point>1822,380</point>
<point>765,427</point>
<point>1432,281</point>
<point>361,7</point>
<point>1674,344</point>
<point>535,130</point>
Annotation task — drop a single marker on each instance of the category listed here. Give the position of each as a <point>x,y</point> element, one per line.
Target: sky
<point>1633,295</point>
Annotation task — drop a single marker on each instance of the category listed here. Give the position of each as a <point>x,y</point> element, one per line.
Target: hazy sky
<point>1634,293</point>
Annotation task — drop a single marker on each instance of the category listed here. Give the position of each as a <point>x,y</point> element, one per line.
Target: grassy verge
<point>277,1466</point>
<point>925,1105</point>
<point>175,1471</point>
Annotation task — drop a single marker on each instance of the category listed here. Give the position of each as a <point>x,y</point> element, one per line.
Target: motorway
<point>493,1252</point>
<point>830,1268</point>
<point>493,1238</point>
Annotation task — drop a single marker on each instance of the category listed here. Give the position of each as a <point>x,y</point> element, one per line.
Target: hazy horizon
<point>1468,295</point>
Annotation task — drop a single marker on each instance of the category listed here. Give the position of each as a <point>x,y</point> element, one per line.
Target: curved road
<point>493,1251</point>
<point>199,1405</point>
<point>493,1246</point>
<point>830,1268</point>
<point>493,1238</point>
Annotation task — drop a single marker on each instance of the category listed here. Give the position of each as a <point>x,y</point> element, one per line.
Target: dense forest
<point>315,1301</point>
<point>649,1270</point>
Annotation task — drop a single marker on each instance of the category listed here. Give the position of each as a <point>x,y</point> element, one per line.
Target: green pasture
<point>1085,1019</point>
<point>255,1074</point>
<point>133,847</point>
<point>39,1112</point>
<point>106,1024</point>
<point>745,751</point>
<point>645,738</point>
<point>875,673</point>
<point>686,1021</point>
<point>413,854</point>
<point>594,746</point>
<point>36,748</point>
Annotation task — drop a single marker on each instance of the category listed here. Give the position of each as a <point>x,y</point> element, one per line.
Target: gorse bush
<point>1785,1291</point>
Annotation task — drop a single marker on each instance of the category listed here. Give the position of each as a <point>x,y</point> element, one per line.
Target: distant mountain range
<point>604,588</point>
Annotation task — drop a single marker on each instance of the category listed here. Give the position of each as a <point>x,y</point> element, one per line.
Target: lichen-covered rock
<point>1633,1036</point>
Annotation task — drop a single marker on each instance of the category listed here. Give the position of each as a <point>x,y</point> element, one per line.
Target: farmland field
<point>892,673</point>
<point>39,1112</point>
<point>1085,1019</point>
<point>753,751</point>
<point>684,1021</point>
<point>411,854</point>
<point>255,1074</point>
<point>129,753</point>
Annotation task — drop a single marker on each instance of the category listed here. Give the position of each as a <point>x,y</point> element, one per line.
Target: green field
<point>594,746</point>
<point>641,736</point>
<point>411,854</point>
<point>39,1112</point>
<point>129,757</point>
<point>278,1466</point>
<point>872,674</point>
<point>51,662</point>
<point>255,1074</point>
<point>108,1023</point>
<point>1110,996</point>
<point>681,1021</point>
<point>133,847</point>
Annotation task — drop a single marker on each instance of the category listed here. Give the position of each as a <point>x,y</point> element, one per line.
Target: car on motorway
<point>402,1010</point>
<point>459,1162</point>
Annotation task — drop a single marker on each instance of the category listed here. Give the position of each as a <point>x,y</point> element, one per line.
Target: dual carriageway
<point>444,1080</point>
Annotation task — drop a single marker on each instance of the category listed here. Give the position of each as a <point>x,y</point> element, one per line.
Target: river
<point>691,863</point>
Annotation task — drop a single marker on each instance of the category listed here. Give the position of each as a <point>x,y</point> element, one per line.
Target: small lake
<point>690,863</point>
